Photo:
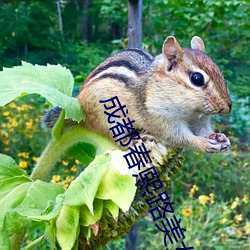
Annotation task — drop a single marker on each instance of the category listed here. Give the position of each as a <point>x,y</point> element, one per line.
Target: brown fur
<point>159,95</point>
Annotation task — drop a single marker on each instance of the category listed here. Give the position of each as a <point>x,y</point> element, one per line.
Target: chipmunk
<point>170,96</point>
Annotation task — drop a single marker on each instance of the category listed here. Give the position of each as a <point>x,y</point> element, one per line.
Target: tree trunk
<point>85,20</point>
<point>59,16</point>
<point>135,23</point>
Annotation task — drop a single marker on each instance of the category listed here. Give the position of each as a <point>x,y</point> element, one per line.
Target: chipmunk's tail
<point>50,117</point>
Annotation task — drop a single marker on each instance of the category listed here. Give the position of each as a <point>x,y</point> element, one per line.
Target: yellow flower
<point>77,162</point>
<point>70,178</point>
<point>225,164</point>
<point>238,218</point>
<point>65,163</point>
<point>24,155</point>
<point>192,190</point>
<point>65,185</point>
<point>247,228</point>
<point>6,149</point>
<point>23,107</point>
<point>4,134</point>
<point>35,159</point>
<point>73,168</point>
<point>12,105</point>
<point>187,211</point>
<point>234,152</point>
<point>245,199</point>
<point>6,113</point>
<point>197,242</point>
<point>6,141</point>
<point>211,195</point>
<point>223,220</point>
<point>23,164</point>
<point>14,123</point>
<point>203,199</point>
<point>235,203</point>
<point>55,178</point>
<point>238,233</point>
<point>29,124</point>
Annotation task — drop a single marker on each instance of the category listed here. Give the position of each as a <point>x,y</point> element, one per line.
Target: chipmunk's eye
<point>197,79</point>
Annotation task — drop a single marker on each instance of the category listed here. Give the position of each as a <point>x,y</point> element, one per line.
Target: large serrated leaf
<point>14,198</point>
<point>9,168</point>
<point>21,197</point>
<point>83,189</point>
<point>118,188</point>
<point>53,82</point>
<point>9,184</point>
<point>45,216</point>
<point>39,194</point>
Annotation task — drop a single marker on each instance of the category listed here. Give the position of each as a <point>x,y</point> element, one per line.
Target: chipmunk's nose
<point>230,106</point>
<point>227,108</point>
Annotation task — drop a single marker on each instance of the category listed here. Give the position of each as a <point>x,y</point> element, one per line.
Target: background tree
<point>135,23</point>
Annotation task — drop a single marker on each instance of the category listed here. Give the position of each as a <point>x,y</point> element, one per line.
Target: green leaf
<point>118,188</point>
<point>14,198</point>
<point>50,234</point>
<point>53,82</point>
<point>111,207</point>
<point>25,202</point>
<point>102,180</point>
<point>86,231</point>
<point>9,168</point>
<point>20,198</point>
<point>13,223</point>
<point>39,194</point>
<point>87,218</point>
<point>83,189</point>
<point>83,152</point>
<point>9,184</point>
<point>4,240</point>
<point>50,213</point>
<point>67,226</point>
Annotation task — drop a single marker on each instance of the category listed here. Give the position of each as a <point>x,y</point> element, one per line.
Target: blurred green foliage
<point>30,32</point>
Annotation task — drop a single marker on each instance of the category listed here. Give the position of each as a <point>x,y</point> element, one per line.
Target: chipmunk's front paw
<point>218,142</point>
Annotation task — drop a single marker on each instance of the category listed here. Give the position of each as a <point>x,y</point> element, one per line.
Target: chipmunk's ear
<point>197,43</point>
<point>171,49</point>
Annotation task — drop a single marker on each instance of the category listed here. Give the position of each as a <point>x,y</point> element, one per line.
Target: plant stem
<point>57,147</point>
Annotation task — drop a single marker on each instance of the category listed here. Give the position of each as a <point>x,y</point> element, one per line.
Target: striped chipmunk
<point>170,96</point>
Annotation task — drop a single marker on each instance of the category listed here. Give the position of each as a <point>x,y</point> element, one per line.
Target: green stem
<point>57,147</point>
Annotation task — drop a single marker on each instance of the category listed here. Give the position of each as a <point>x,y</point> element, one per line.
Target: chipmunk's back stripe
<point>142,53</point>
<point>118,63</point>
<point>118,77</point>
